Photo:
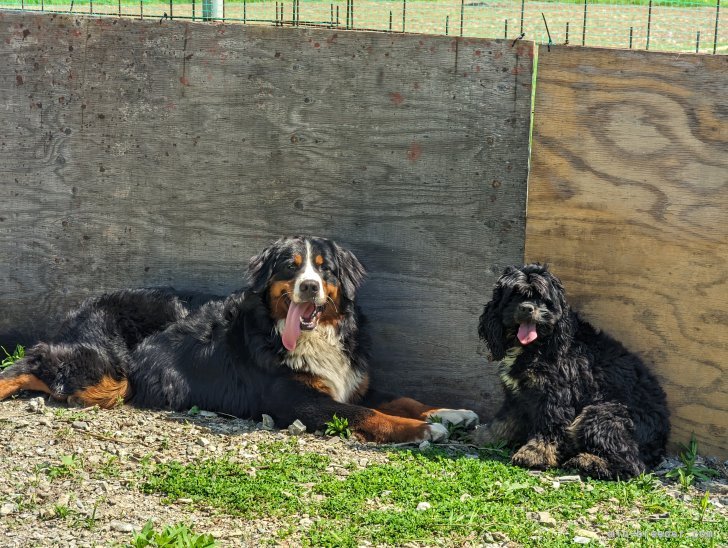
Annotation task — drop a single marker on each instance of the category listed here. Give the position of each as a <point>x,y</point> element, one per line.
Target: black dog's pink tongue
<point>292,329</point>
<point>527,333</point>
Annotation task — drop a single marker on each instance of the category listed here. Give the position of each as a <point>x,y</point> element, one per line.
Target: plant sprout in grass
<point>10,359</point>
<point>69,466</point>
<point>338,426</point>
<point>172,536</point>
<point>690,471</point>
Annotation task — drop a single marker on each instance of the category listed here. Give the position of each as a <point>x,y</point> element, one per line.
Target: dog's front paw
<point>437,432</point>
<point>456,417</point>
<point>536,454</point>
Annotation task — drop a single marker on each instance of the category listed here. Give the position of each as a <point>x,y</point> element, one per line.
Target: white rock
<point>268,422</point>
<point>425,445</point>
<point>544,518</point>
<point>581,540</point>
<point>122,526</point>
<point>209,414</point>
<point>36,405</point>
<point>204,442</point>
<point>296,428</point>
<point>422,506</point>
<point>569,479</point>
<point>8,508</point>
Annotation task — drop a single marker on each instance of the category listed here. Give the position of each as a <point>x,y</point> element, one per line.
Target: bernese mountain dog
<point>291,345</point>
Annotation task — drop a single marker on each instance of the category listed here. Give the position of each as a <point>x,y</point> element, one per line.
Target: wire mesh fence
<point>664,25</point>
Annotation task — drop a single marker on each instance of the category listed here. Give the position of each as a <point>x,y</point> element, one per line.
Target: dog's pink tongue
<point>292,329</point>
<point>527,333</point>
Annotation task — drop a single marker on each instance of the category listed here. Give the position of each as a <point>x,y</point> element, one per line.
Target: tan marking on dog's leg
<point>406,407</point>
<point>537,454</point>
<point>106,394</point>
<point>591,465</point>
<point>382,428</point>
<point>26,381</point>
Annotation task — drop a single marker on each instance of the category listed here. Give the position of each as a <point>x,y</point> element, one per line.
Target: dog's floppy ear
<point>260,269</point>
<point>490,327</point>
<point>351,271</point>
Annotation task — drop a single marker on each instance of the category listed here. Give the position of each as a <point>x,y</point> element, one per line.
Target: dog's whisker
<point>333,303</point>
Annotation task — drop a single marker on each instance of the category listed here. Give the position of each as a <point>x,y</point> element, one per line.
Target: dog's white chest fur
<point>504,368</point>
<point>321,353</point>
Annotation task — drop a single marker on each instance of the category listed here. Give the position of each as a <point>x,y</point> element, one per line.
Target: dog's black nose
<point>309,288</point>
<point>526,308</point>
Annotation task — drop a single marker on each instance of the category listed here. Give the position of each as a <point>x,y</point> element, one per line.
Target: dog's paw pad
<point>437,432</point>
<point>456,417</point>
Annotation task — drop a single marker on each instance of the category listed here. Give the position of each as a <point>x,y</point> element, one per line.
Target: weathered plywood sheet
<point>134,153</point>
<point>628,200</point>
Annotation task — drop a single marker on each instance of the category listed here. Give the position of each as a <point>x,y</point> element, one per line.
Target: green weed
<point>10,359</point>
<point>338,426</point>
<point>690,471</point>
<point>172,536</point>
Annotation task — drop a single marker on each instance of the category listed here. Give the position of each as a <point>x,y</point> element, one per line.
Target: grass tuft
<point>10,359</point>
<point>338,426</point>
<point>172,536</point>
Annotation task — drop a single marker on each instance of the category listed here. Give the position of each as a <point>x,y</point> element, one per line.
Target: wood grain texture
<point>134,153</point>
<point>628,200</point>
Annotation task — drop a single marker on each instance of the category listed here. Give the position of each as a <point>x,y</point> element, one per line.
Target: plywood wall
<point>146,153</point>
<point>628,200</point>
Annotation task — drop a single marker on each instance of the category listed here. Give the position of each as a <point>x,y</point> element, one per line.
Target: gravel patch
<point>69,477</point>
<point>99,503</point>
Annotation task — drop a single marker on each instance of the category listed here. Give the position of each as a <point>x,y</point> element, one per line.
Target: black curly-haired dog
<point>291,345</point>
<point>574,396</point>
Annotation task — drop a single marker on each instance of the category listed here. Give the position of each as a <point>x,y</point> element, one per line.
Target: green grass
<point>171,536</point>
<point>468,498</point>
<point>9,358</point>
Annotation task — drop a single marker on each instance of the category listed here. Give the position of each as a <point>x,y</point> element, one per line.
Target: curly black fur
<point>574,396</point>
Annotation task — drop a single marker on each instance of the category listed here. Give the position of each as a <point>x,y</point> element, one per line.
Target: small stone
<point>581,540</point>
<point>36,405</point>
<point>569,479</point>
<point>586,533</point>
<point>556,484</point>
<point>208,414</point>
<point>425,445</point>
<point>268,422</point>
<point>305,522</point>
<point>80,425</point>
<point>203,442</point>
<point>544,518</point>
<point>592,511</point>
<point>540,490</point>
<point>8,508</point>
<point>46,513</point>
<point>465,496</point>
<point>185,501</point>
<point>296,428</point>
<point>122,527</point>
<point>422,506</point>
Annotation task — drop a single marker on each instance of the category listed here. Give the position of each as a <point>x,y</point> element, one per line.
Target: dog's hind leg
<point>602,439</point>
